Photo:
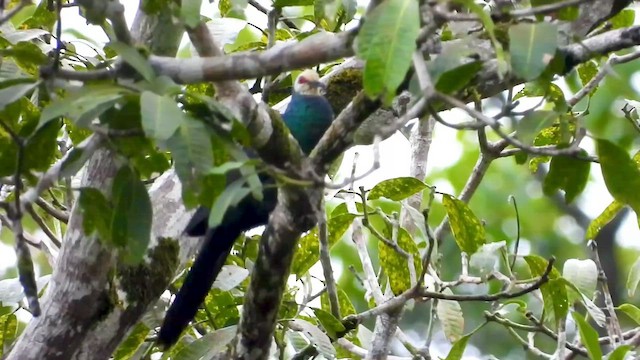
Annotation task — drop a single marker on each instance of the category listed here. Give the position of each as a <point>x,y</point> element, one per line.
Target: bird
<point>308,115</point>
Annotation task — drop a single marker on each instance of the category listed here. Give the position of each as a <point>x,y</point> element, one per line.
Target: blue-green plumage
<point>307,116</point>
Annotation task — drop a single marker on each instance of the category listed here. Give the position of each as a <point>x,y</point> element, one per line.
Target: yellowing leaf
<point>396,189</point>
<point>466,227</point>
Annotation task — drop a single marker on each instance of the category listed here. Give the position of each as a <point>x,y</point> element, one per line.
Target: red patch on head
<point>302,80</point>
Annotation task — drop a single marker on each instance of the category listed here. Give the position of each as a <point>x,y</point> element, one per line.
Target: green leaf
<point>386,42</point>
<point>12,93</point>
<point>586,72</point>
<point>307,253</point>
<point>97,213</point>
<point>132,215</point>
<point>466,227</point>
<point>620,172</point>
<point>191,149</point>
<point>532,123</point>
<point>8,331</point>
<point>603,219</point>
<point>331,325</point>
<point>554,293</point>
<point>588,336</point>
<point>538,265</point>
<point>633,278</point>
<point>346,307</point>
<point>132,342</point>
<point>190,12</point>
<point>532,47</point>
<point>283,3</point>
<point>456,79</point>
<point>490,27</point>
<point>620,353</point>
<point>395,264</point>
<point>457,350</point>
<point>451,317</point>
<point>77,104</point>
<point>623,19</point>
<point>74,161</point>
<point>396,189</point>
<point>160,115</point>
<point>230,197</point>
<point>208,345</point>
<point>569,174</point>
<point>134,57</point>
<point>632,312</point>
<point>319,339</point>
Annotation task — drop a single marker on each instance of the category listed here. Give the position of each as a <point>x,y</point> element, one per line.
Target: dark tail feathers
<point>205,269</point>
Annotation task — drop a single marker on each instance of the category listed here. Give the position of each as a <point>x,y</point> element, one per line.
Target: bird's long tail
<point>205,269</point>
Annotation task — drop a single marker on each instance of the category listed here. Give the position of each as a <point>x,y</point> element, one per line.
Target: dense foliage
<point>106,148</point>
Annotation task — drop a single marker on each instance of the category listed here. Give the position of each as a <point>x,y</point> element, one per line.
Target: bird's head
<point>308,83</point>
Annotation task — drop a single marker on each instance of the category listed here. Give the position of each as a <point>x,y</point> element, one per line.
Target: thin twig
<point>325,260</point>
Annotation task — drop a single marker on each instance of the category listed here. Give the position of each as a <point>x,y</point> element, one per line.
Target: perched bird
<point>307,116</point>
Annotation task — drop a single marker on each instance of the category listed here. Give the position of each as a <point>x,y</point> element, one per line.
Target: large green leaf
<point>632,312</point>
<point>569,174</point>
<point>191,149</point>
<point>466,227</point>
<point>135,58</point>
<point>13,92</point>
<point>330,323</point>
<point>8,330</point>
<point>588,336</point>
<point>230,197</point>
<point>396,189</point>
<point>457,350</point>
<point>308,254</point>
<point>132,215</point>
<point>190,12</point>
<point>396,265</point>
<point>554,292</point>
<point>532,47</point>
<point>620,172</point>
<point>79,103</point>
<point>386,42</point>
<point>207,346</point>
<point>132,342</point>
<point>160,115</point>
<point>97,213</point>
